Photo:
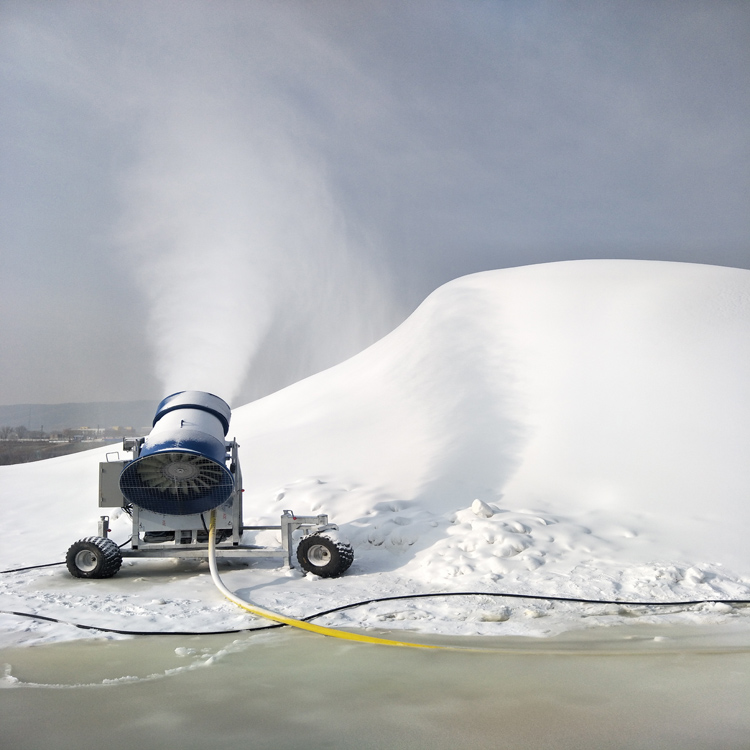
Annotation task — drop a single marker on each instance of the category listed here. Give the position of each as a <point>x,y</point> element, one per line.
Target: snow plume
<point>239,247</point>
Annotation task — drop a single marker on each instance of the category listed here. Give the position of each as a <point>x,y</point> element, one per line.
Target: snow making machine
<point>181,472</point>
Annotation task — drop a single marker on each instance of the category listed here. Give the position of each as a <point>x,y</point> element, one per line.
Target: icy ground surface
<point>571,429</point>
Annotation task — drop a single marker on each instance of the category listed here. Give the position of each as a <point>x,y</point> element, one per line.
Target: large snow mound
<point>571,428</point>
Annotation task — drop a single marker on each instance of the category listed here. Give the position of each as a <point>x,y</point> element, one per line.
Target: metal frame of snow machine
<point>186,536</point>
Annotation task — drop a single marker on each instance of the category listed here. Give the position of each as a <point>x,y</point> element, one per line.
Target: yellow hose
<point>301,624</point>
<point>347,636</point>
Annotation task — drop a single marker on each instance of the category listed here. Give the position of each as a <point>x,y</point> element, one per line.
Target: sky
<point>231,196</point>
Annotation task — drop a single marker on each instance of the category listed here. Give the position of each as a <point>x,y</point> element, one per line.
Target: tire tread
<point>109,553</point>
<point>342,559</point>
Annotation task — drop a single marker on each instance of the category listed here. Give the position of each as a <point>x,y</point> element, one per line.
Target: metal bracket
<point>103,526</point>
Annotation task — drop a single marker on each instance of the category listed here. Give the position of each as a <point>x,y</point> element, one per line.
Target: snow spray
<point>240,249</point>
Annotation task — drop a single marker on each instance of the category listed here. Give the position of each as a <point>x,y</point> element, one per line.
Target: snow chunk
<point>481,509</point>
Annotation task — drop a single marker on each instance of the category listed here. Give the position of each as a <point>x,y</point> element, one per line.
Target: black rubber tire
<point>322,556</point>
<point>93,557</point>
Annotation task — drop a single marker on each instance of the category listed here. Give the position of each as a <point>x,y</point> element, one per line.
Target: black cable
<point>33,616</point>
<point>377,600</point>
<point>31,567</point>
<point>537,597</point>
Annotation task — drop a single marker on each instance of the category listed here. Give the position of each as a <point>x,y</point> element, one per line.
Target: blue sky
<point>234,195</point>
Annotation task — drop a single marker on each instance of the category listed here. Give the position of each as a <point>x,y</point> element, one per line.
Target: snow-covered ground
<point>577,428</point>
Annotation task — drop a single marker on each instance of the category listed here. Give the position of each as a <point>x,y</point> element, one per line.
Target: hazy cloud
<point>240,194</point>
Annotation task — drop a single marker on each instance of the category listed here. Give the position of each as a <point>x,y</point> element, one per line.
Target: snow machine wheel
<point>324,557</point>
<point>93,557</point>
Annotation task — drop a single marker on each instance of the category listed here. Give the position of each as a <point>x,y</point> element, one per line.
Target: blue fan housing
<point>181,468</point>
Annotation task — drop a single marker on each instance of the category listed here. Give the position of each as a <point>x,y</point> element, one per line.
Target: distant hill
<point>54,417</point>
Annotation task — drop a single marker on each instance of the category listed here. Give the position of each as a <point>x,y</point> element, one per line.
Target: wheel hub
<point>319,555</point>
<point>86,560</point>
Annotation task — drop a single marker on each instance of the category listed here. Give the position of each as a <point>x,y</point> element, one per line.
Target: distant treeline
<point>24,450</point>
<point>21,432</point>
<point>21,441</point>
<point>53,419</point>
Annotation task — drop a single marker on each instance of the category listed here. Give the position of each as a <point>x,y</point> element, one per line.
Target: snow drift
<point>578,427</point>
